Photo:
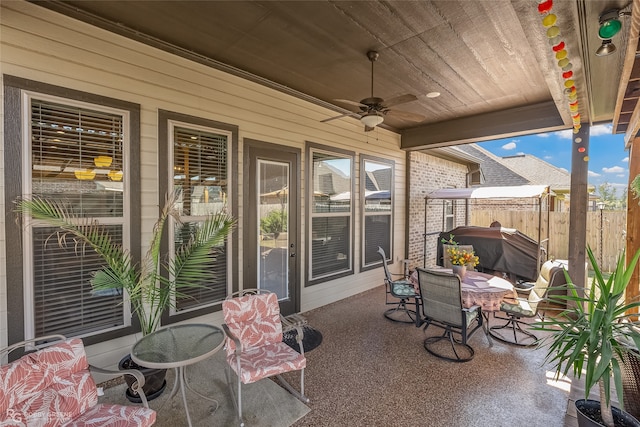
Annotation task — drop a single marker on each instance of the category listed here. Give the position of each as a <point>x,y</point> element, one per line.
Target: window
<point>199,157</point>
<point>448,214</point>
<point>376,193</point>
<point>200,174</point>
<point>331,214</point>
<point>74,153</point>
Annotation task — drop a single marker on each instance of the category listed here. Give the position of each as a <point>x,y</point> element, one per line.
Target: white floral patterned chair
<point>52,386</point>
<point>254,342</point>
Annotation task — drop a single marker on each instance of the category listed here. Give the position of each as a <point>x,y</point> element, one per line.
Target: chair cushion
<point>471,316</point>
<point>521,309</point>
<point>261,362</point>
<point>403,288</point>
<point>116,416</point>
<point>254,319</point>
<point>47,387</point>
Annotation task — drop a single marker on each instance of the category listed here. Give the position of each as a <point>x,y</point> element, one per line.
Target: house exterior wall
<point>428,173</point>
<point>43,46</point>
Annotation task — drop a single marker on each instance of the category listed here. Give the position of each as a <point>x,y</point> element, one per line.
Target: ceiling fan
<point>373,110</point>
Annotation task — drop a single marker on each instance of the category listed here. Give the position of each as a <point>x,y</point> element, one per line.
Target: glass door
<point>272,221</point>
<point>272,227</point>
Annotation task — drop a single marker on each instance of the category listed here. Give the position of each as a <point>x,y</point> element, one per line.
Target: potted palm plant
<point>153,285</point>
<point>592,334</point>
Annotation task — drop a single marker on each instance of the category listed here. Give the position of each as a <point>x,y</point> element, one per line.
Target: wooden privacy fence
<point>606,231</point>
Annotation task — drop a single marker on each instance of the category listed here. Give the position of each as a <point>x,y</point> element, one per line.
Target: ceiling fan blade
<point>340,116</point>
<point>402,99</point>
<point>346,101</point>
<point>406,115</point>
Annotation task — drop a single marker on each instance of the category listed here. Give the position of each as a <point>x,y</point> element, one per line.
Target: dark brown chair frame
<point>399,293</point>
<point>441,296</point>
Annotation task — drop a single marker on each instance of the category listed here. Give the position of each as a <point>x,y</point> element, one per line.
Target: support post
<point>633,222</point>
<point>578,207</point>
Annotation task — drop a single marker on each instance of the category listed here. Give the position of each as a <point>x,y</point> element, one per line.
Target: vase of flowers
<point>461,259</point>
<point>460,270</point>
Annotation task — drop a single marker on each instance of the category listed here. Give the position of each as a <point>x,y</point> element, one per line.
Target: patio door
<point>271,238</point>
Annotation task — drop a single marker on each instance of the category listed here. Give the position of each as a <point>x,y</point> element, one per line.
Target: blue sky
<point>608,159</point>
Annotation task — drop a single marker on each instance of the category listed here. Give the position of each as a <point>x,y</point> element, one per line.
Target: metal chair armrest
<point>136,386</point>
<point>30,344</point>
<point>233,338</point>
<point>299,335</point>
<point>288,325</point>
<point>473,308</point>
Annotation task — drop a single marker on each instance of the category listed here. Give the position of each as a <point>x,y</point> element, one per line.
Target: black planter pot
<point>154,382</point>
<point>588,414</point>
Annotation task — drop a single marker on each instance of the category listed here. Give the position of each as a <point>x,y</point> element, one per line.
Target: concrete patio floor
<point>370,371</point>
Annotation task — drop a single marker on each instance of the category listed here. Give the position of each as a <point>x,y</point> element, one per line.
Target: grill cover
<point>498,249</point>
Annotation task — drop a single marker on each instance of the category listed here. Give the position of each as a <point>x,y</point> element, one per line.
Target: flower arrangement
<point>462,257</point>
<point>459,256</point>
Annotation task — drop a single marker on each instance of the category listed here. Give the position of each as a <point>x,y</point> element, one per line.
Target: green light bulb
<point>609,29</point>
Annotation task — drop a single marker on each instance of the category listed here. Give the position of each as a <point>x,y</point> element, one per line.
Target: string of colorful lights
<point>559,48</point>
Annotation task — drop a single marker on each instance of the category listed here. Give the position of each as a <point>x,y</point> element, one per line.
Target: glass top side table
<point>176,347</point>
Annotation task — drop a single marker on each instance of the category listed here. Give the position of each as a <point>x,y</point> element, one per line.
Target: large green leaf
<point>150,293</point>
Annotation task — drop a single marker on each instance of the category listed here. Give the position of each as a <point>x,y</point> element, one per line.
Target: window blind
<point>77,153</point>
<point>377,181</point>
<point>77,159</point>
<point>201,173</point>
<point>331,213</point>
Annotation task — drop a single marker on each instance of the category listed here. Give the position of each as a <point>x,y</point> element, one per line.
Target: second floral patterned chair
<point>254,342</point>
<point>52,386</point>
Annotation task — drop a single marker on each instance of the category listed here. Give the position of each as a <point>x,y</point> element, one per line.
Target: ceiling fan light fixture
<point>371,119</point>
<point>607,48</point>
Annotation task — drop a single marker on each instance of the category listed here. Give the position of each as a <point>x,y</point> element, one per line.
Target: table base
<point>182,384</point>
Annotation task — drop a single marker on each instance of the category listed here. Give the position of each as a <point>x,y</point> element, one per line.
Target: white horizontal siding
<point>41,45</point>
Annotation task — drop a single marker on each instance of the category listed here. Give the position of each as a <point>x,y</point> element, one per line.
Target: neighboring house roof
<point>520,169</point>
<point>537,171</point>
<point>495,173</point>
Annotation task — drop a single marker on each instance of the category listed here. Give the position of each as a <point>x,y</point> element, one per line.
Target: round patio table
<point>486,290</point>
<point>176,347</point>
<point>481,289</point>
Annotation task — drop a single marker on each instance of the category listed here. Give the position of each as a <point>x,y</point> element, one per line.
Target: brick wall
<point>428,173</point>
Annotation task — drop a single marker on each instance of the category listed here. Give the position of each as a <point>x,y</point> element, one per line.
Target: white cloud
<point>625,160</point>
<point>548,157</point>
<point>614,169</point>
<point>520,153</point>
<point>563,169</point>
<point>593,174</point>
<point>565,134</point>
<point>618,186</point>
<point>598,130</point>
<point>510,145</point>
<point>620,175</point>
<point>544,135</point>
